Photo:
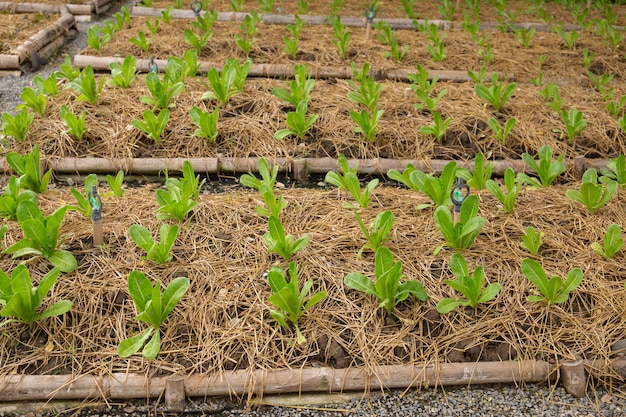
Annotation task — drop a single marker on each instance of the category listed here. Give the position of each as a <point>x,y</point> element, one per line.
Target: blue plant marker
<point>196,6</point>
<point>459,193</point>
<point>152,66</point>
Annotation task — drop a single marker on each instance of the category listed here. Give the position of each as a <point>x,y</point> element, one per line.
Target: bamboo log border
<point>42,44</point>
<point>99,63</point>
<point>176,388</point>
<point>93,7</point>
<point>298,168</point>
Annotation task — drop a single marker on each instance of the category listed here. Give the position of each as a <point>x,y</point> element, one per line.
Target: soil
<point>17,28</point>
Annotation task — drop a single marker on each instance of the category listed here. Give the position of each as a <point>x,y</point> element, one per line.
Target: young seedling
<point>298,122</point>
<point>123,75</point>
<point>22,300</point>
<point>616,171</point>
<point>197,42</point>
<point>513,187</point>
<point>153,125</point>
<point>569,38</point>
<point>388,36</point>
<point>366,90</point>
<point>96,39</point>
<point>206,122</point>
<point>422,84</point>
<point>159,252</point>
<point>75,124</point>
<point>552,95</point>
<point>153,26</point>
<point>497,94</point>
<point>574,123</point>
<point>531,240</point>
<point>478,177</point>
<point>273,205</point>
<point>438,128</point>
<point>141,41</point>
<point>289,299</point>
<point>341,36</point>
<point>284,245</point>
<point>459,235</point>
<point>166,15</point>
<point>204,21</point>
<point>388,289</point>
<point>299,89</point>
<point>115,184</point>
<point>501,132</point>
<point>380,231</point>
<point>601,84</point>
<point>350,181</point>
<point>471,286</point>
<point>612,242</point>
<point>17,126</point>
<point>367,124</point>
<point>267,177</point>
<point>41,236</point>
<point>47,86</point>
<point>547,170</point>
<point>592,195</point>
<point>437,188</point>
<point>152,308</point>
<point>82,200</point>
<point>228,82</point>
<point>524,36</point>
<point>12,197</point>
<point>86,87</point>
<point>553,290</point>
<point>616,107</point>
<point>162,92</point>
<point>28,167</point>
<point>33,100</point>
<point>436,51</point>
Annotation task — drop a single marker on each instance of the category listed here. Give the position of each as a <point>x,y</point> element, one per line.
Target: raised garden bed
<point>223,327</point>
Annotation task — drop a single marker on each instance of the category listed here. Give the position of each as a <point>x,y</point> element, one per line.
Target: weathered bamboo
<point>242,382</point>
<point>539,27</point>
<point>30,7</point>
<point>10,73</point>
<point>100,63</point>
<point>285,19</point>
<point>61,28</point>
<point>9,61</point>
<point>297,166</point>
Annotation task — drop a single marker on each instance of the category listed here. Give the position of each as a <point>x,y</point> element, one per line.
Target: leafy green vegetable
<point>159,252</point>
<point>281,243</point>
<point>350,181</point>
<point>152,125</point>
<point>574,123</point>
<point>115,184</point>
<point>33,100</point>
<point>153,308</point>
<point>83,206</point>
<point>553,290</point>
<point>497,94</point>
<point>437,188</point>
<point>28,167</point>
<point>592,195</point>
<point>181,195</point>
<point>508,198</point>
<point>41,236</point>
<point>86,87</point>
<point>267,177</point>
<point>163,92</point>
<point>547,170</point>
<point>123,75</point>
<point>612,242</point>
<point>299,89</point>
<point>479,176</point>
<point>388,289</point>
<point>75,124</point>
<point>471,286</point>
<point>367,123</point>
<point>531,240</point>
<point>289,299</point>
<point>616,171</point>
<point>228,82</point>
<point>206,122</point>
<point>298,122</point>
<point>12,197</point>
<point>381,228</point>
<point>17,125</point>
<point>459,235</point>
<point>22,300</point>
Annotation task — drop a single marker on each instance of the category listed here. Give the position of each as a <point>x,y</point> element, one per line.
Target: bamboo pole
<point>30,7</point>
<point>60,28</point>
<point>379,166</point>
<point>284,19</point>
<point>242,382</point>
<point>9,62</point>
<point>99,63</point>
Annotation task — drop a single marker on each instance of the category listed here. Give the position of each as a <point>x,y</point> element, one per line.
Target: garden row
<point>216,248</point>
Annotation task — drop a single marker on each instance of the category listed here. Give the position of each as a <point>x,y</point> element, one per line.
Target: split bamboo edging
<point>94,6</point>
<point>298,168</point>
<point>99,63</point>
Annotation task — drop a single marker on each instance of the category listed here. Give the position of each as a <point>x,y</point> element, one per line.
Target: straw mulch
<point>223,322</point>
<point>15,29</point>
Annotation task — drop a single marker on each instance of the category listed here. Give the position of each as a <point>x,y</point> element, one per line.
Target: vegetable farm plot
<point>490,235</point>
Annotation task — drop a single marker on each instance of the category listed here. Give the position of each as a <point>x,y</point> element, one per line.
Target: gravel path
<point>530,400</point>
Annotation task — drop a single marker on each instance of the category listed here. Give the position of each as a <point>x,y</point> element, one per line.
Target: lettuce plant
<point>228,82</point>
<point>180,196</point>
<point>206,122</point>
<point>204,21</point>
<point>341,37</point>
<point>478,177</point>
<point>153,308</point>
<point>33,100</point>
<point>28,167</point>
<point>267,177</point>
<point>616,171</point>
<point>22,300</point>
<point>299,88</point>
<point>350,181</point>
<point>82,200</point>
<point>17,125</point>
<point>380,231</point>
<point>507,198</point>
<point>12,197</point>
<point>281,243</point>
<point>497,93</point>
<point>501,132</point>
<point>388,289</point>
<point>273,205</point>
<point>41,236</point>
<point>67,70</point>
<point>459,235</point>
<point>423,84</point>
<point>438,128</point>
<point>47,86</point>
<point>574,123</point>
<point>289,299</point>
<point>152,125</point>
<point>298,122</point>
<point>612,242</point>
<point>159,252</point>
<point>546,170</point>
<point>531,240</point>
<point>553,290</point>
<point>75,124</point>
<point>437,188</point>
<point>123,75</point>
<point>197,42</point>
<point>163,92</point>
<point>115,184</point>
<point>471,286</point>
<point>141,41</point>
<point>86,87</point>
<point>592,195</point>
